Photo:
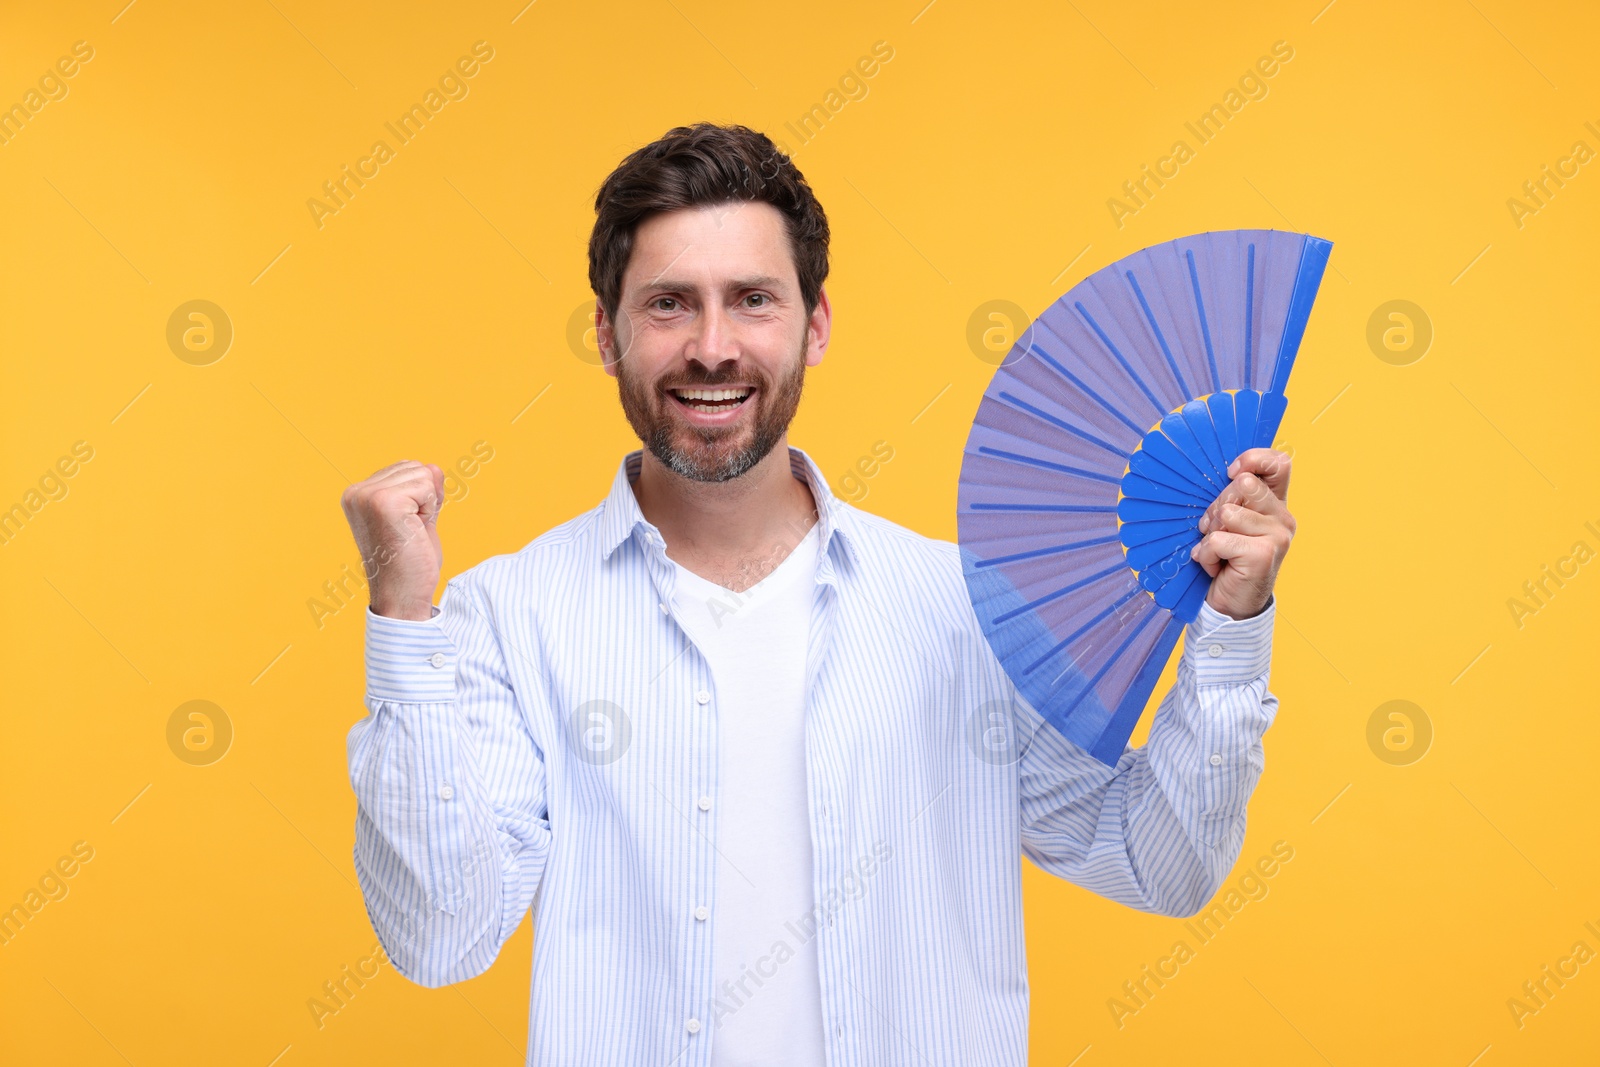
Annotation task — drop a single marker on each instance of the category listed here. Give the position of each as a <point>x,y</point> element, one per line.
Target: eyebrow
<point>759,281</point>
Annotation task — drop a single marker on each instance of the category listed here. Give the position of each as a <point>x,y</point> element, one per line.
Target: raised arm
<point>452,829</point>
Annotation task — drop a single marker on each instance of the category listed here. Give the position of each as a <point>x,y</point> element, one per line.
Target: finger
<point>413,493</point>
<point>1269,464</point>
<point>1237,518</point>
<point>374,480</point>
<point>1221,547</point>
<point>1249,491</point>
<point>395,473</point>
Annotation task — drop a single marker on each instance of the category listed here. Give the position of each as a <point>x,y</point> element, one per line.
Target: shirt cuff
<point>1221,649</point>
<point>409,661</point>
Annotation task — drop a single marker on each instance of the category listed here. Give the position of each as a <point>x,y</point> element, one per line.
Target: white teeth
<point>712,394</point>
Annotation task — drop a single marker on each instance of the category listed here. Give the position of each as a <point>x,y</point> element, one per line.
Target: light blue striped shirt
<point>549,739</point>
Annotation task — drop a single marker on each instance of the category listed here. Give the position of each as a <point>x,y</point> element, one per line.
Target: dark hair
<point>694,166</point>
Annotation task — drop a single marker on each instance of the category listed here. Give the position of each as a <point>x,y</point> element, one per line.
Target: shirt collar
<point>621,518</point>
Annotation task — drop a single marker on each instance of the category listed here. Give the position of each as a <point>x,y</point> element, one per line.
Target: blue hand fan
<point>1103,437</point>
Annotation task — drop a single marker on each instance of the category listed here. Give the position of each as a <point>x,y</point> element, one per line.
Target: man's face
<point>712,339</point>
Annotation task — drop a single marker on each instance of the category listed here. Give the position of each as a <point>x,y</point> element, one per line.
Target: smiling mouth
<point>712,401</point>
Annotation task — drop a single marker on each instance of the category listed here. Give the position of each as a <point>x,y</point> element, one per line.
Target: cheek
<point>652,348</point>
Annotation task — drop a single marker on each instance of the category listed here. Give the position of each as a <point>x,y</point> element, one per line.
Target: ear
<point>605,337</point>
<point>819,329</point>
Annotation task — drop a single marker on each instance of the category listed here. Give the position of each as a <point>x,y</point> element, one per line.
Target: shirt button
<point>704,696</point>
<point>1216,759</point>
<point>437,659</point>
<point>664,610</point>
<point>705,803</point>
<point>445,792</point>
<point>1215,650</point>
<point>693,1026</point>
<point>702,913</point>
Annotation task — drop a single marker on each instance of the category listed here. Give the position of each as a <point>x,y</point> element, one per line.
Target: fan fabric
<point>1104,435</point>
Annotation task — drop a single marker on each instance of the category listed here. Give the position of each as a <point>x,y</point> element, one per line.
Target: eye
<point>760,298</point>
<point>665,300</point>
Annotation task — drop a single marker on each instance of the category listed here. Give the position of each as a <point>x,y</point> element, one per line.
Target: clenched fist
<point>394,515</point>
<point>1247,531</point>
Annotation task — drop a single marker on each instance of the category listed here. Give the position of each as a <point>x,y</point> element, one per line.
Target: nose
<point>715,341</point>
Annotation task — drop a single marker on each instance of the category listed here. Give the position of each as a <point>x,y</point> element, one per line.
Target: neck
<point>719,528</point>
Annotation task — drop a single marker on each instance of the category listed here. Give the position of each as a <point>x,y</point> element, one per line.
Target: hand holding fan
<point>1103,437</point>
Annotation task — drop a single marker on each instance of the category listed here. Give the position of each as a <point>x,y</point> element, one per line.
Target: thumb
<point>430,508</point>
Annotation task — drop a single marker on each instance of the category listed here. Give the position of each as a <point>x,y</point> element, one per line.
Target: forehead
<point>710,245</point>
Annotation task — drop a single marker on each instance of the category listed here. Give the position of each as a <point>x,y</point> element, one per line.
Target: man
<point>730,736</point>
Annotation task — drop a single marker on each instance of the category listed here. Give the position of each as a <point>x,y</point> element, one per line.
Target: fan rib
<point>1161,338</point>
<point>1170,593</point>
<point>1163,444</point>
<point>1220,405</point>
<point>1023,405</point>
<point>1157,577</point>
<point>1044,464</point>
<point>1079,584</point>
<point>1151,467</point>
<point>1133,635</point>
<point>1247,411</point>
<point>1205,329</point>
<point>1036,553</point>
<point>1197,417</point>
<point>1249,311</point>
<point>1142,557</point>
<point>1079,632</point>
<point>1136,486</point>
<point>1145,389</point>
<point>1096,397</point>
<point>1113,740</point>
<point>1053,509</point>
<point>1133,509</point>
<point>1141,532</point>
<point>1307,280</point>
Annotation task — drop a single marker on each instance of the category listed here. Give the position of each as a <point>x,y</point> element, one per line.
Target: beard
<point>715,453</point>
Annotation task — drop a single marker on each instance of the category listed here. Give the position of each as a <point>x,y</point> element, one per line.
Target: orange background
<point>433,311</point>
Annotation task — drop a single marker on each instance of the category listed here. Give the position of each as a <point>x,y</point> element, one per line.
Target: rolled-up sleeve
<point>452,828</point>
<point>1161,829</point>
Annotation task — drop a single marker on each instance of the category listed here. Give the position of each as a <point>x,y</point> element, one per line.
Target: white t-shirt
<point>768,1007</point>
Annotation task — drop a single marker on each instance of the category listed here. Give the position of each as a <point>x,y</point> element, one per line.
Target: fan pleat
<point>1155,329</point>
